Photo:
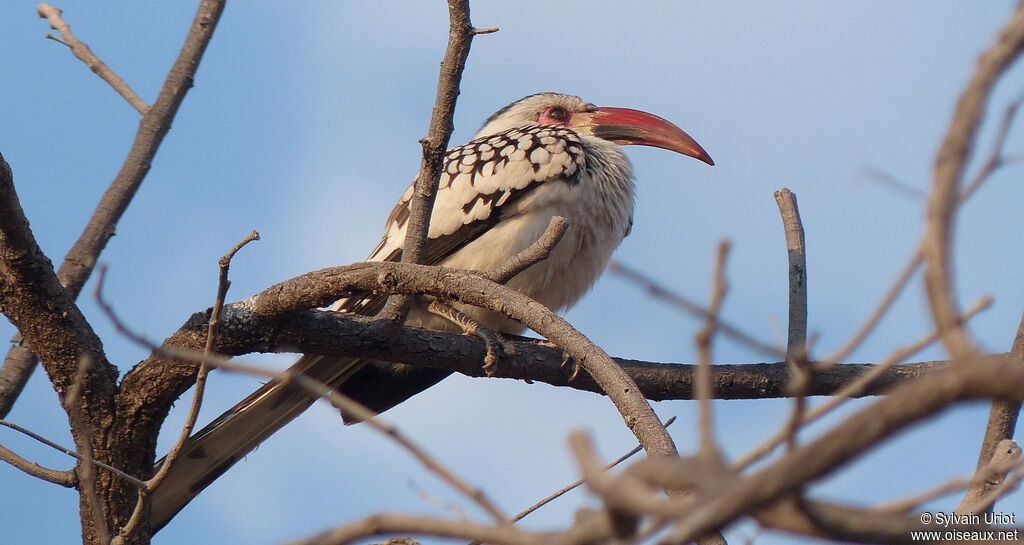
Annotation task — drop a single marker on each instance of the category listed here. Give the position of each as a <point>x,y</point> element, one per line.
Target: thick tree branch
<point>322,287</point>
<point>322,332</point>
<point>451,285</point>
<point>35,302</point>
<point>81,259</point>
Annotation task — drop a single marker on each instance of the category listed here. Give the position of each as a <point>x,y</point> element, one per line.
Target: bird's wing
<point>482,181</point>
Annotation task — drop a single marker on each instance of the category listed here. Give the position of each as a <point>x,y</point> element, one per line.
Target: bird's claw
<point>492,340</point>
<point>566,360</point>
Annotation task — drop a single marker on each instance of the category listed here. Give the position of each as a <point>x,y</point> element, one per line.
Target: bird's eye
<point>557,113</point>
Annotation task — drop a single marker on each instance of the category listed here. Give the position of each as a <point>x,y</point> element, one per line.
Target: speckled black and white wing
<point>481,182</point>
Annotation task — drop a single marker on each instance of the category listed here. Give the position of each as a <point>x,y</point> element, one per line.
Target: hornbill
<point>545,155</point>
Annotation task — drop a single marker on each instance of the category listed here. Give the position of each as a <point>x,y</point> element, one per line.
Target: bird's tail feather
<point>214,449</point>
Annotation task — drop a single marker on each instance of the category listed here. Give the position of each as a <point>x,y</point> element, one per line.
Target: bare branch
<point>949,167</point>
<point>82,258</point>
<point>664,294</point>
<point>460,38</point>
<point>969,379</point>
<point>796,345</point>
<point>200,387</point>
<point>320,287</point>
<point>211,341</point>
<point>1002,421</point>
<point>328,333</point>
<point>794,230</point>
<point>996,157</point>
<point>703,386</point>
<point>63,478</point>
<point>138,483</point>
<point>84,54</point>
<point>537,252</point>
<point>315,388</point>
<point>855,387</point>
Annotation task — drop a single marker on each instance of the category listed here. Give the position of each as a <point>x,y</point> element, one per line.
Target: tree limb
<point>84,54</point>
<point>81,259</point>
<point>460,38</point>
<point>950,164</point>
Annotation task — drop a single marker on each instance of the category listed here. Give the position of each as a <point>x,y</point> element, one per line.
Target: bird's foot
<point>568,360</point>
<point>492,341</point>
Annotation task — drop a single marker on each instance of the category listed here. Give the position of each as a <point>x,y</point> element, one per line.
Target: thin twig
<point>84,54</point>
<point>460,38</point>
<point>876,316</point>
<point>996,467</point>
<point>82,434</point>
<point>1002,422</point>
<point>884,178</point>
<point>854,388</point>
<point>996,156</point>
<point>522,514</point>
<point>63,478</point>
<point>666,295</point>
<point>703,386</point>
<point>537,252</point>
<point>135,481</point>
<point>197,399</point>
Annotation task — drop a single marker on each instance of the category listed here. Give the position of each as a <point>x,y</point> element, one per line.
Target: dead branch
<point>82,258</point>
<point>801,373</point>
<point>667,295</point>
<point>66,479</point>
<point>134,481</point>
<point>200,387</point>
<point>321,287</point>
<point>974,378</point>
<point>950,164</point>
<point>537,252</point>
<point>319,332</point>
<point>460,38</point>
<point>703,386</point>
<point>344,404</point>
<point>1002,422</point>
<point>84,54</point>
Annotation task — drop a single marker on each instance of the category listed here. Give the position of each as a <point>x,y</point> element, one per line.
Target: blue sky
<point>303,124</point>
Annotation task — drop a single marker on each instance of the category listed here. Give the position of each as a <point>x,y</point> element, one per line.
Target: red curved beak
<point>626,126</point>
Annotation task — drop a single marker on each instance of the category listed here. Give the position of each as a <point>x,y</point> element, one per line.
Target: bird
<point>545,155</point>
